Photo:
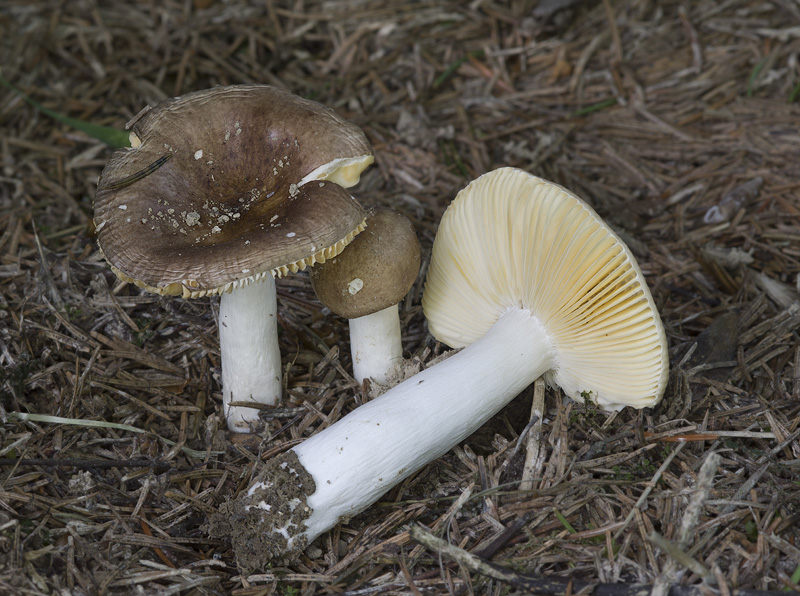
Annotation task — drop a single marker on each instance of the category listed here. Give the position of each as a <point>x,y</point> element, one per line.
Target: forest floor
<point>677,121</point>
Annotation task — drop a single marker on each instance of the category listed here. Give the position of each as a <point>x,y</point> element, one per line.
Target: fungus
<point>529,281</point>
<point>221,191</point>
<point>365,283</point>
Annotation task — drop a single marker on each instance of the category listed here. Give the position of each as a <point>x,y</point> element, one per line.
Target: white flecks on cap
<point>355,286</point>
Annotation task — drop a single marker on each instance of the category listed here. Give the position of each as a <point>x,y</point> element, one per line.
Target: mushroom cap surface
<point>227,185</point>
<point>375,271</point>
<point>512,240</point>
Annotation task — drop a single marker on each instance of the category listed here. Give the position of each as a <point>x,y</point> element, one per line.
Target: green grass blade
<point>795,579</point>
<point>564,522</point>
<point>753,76</point>
<point>606,103</point>
<point>448,72</point>
<point>113,137</point>
<point>795,92</point>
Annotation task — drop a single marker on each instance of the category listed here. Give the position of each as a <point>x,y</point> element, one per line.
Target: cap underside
<point>190,288</point>
<point>219,190</point>
<point>182,246</point>
<point>513,240</point>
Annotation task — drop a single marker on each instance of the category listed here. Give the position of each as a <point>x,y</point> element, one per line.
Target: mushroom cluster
<point>221,191</point>
<point>529,281</point>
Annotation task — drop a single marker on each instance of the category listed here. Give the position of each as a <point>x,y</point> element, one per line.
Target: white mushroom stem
<point>356,460</point>
<point>251,360</point>
<point>375,345</point>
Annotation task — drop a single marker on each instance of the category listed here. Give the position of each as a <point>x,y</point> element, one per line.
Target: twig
<point>650,487</point>
<point>691,516</point>
<point>24,416</point>
<point>705,478</point>
<point>679,556</point>
<point>612,24</point>
<point>158,466</point>
<point>552,586</point>
<point>532,465</point>
<point>697,52</point>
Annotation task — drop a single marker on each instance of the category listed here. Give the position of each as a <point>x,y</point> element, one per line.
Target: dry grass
<point>655,112</point>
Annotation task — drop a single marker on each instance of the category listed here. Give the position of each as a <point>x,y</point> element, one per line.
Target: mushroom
<point>221,191</point>
<point>365,283</point>
<point>532,282</point>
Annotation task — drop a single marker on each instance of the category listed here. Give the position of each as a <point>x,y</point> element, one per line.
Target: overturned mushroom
<point>532,282</point>
<point>365,283</point>
<point>221,191</point>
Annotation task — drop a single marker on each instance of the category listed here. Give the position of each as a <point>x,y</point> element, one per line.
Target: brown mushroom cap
<point>375,271</point>
<point>215,191</point>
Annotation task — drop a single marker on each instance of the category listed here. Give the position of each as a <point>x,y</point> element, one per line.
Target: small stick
<point>677,554</point>
<point>681,557</point>
<point>88,463</point>
<point>554,586</point>
<point>612,24</point>
<point>691,516</point>
<point>532,463</point>
<point>650,486</point>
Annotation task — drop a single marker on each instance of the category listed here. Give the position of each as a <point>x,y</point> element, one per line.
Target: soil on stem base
<point>267,524</point>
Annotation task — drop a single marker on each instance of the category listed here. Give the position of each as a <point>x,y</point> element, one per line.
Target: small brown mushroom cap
<point>228,185</point>
<point>375,271</point>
